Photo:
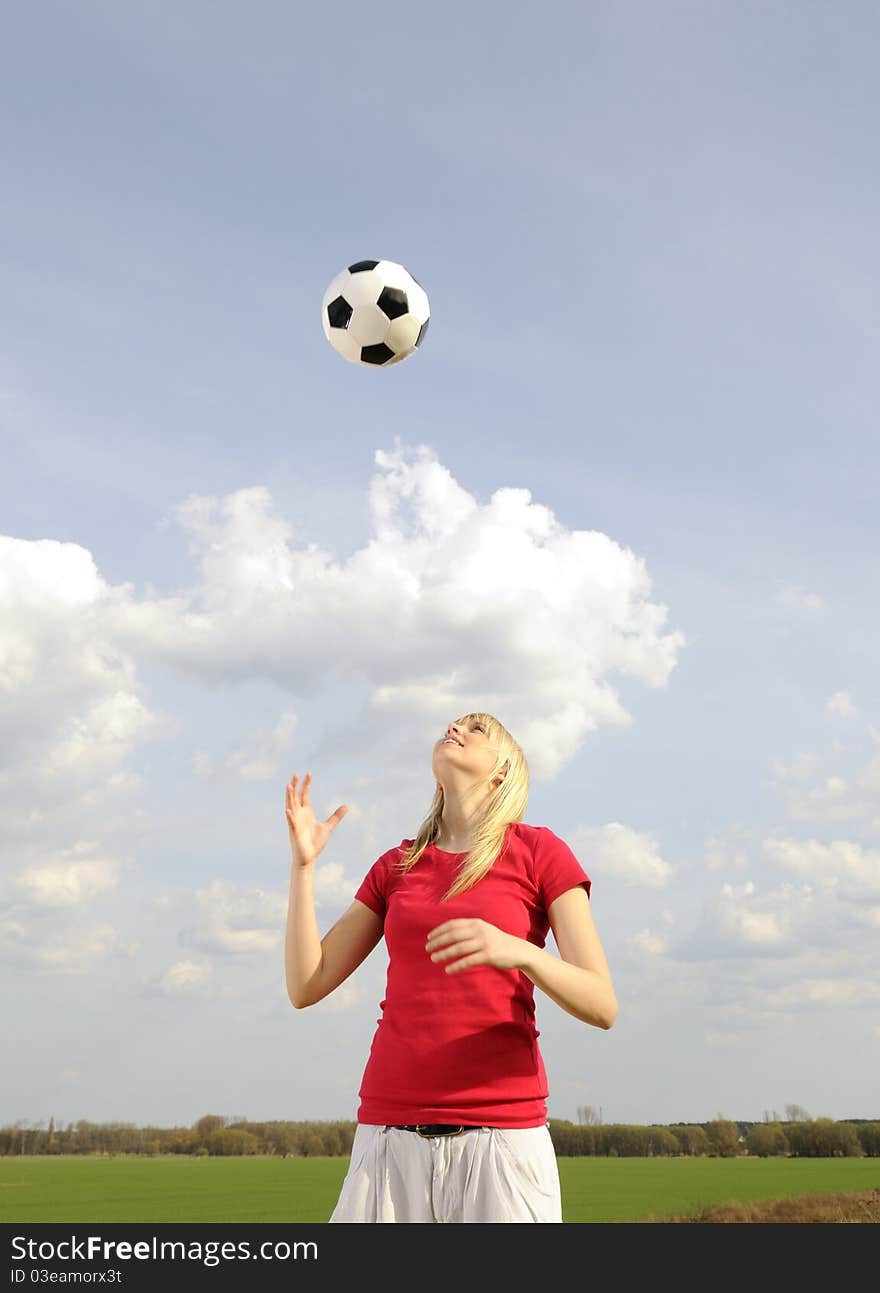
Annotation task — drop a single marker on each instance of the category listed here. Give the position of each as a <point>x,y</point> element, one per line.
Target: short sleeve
<point>373,890</point>
<point>556,867</point>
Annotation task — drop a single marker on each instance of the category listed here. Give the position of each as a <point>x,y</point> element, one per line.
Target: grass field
<point>248,1190</point>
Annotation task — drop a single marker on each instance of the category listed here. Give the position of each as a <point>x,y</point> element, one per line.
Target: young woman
<point>452,1124</point>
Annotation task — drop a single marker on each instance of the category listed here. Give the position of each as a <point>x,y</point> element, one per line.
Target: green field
<point>247,1190</point>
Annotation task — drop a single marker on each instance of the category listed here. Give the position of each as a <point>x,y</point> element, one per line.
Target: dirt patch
<point>860,1205</point>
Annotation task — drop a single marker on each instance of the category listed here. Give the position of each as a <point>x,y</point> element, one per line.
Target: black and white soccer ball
<point>375,312</point>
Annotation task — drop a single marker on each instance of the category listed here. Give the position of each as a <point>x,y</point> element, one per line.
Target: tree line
<point>215,1135</point>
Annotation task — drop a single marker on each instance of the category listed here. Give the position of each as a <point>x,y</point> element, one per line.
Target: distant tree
<point>796,1113</point>
<point>210,1122</point>
<point>869,1138</point>
<point>824,1138</point>
<point>231,1141</point>
<point>723,1137</point>
<point>765,1140</point>
<point>312,1144</point>
<point>588,1115</point>
<point>692,1140</point>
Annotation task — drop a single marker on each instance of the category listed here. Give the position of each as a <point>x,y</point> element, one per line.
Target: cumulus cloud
<point>823,993</point>
<point>347,996</point>
<point>71,714</point>
<point>452,604</point>
<point>233,920</point>
<point>840,705</point>
<point>617,850</point>
<point>728,850</point>
<point>869,916</point>
<point>802,767</point>
<point>852,870</point>
<point>30,943</point>
<point>260,758</point>
<point>66,882</point>
<point>836,798</point>
<point>646,941</point>
<point>742,922</point>
<point>186,978</point>
<point>45,918</point>
<point>794,597</point>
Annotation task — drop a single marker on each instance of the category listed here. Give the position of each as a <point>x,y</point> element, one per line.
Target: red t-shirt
<point>463,1047</point>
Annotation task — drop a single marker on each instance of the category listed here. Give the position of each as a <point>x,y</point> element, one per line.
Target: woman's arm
<point>302,941</point>
<point>315,966</point>
<point>579,982</point>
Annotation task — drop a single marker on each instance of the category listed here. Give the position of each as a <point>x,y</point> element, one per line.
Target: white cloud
<point>752,924</point>
<point>186,978</point>
<point>724,852</point>
<point>43,918</point>
<point>742,923</point>
<point>346,997</point>
<point>840,705</point>
<point>333,887</point>
<point>67,883</point>
<point>233,921</point>
<point>802,768</point>
<point>852,870</point>
<point>60,950</point>
<point>617,850</point>
<point>837,799</point>
<point>650,943</point>
<point>428,615</point>
<point>793,597</point>
<point>71,716</point>
<point>823,993</point>
<point>261,758</point>
<point>869,916</point>
<point>721,1040</point>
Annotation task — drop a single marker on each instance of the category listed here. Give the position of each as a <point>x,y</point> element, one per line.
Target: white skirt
<point>483,1174</point>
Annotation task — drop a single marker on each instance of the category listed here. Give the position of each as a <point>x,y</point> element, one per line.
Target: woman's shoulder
<point>542,844</point>
<point>528,833</point>
<point>392,855</point>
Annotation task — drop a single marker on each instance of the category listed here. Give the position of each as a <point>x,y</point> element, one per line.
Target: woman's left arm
<point>579,982</point>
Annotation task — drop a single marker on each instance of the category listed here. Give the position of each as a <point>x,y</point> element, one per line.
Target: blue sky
<point>624,497</point>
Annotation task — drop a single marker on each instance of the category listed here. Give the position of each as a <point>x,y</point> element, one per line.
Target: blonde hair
<point>504,805</point>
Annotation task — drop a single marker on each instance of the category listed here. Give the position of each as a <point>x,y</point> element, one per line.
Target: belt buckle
<point>426,1134</point>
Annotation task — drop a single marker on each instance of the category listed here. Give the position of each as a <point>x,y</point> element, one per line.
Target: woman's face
<point>463,753</point>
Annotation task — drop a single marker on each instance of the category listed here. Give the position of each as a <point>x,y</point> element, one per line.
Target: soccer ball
<point>375,312</point>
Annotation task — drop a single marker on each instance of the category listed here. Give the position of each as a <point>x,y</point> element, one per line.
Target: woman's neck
<point>451,846</point>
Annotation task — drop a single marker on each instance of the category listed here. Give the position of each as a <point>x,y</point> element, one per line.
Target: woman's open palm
<point>307,835</point>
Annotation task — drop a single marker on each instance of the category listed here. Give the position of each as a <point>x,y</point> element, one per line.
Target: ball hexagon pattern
<point>375,312</point>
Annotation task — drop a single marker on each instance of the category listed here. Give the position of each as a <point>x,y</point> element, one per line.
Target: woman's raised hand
<point>307,835</point>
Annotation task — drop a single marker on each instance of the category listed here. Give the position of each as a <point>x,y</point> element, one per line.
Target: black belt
<point>435,1128</point>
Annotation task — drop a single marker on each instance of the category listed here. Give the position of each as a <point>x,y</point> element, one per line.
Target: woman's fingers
<point>304,800</point>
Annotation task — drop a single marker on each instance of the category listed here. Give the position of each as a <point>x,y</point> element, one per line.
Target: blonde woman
<point>452,1122</point>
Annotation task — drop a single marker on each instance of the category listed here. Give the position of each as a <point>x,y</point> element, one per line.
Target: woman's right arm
<point>316,966</point>
<point>313,966</point>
